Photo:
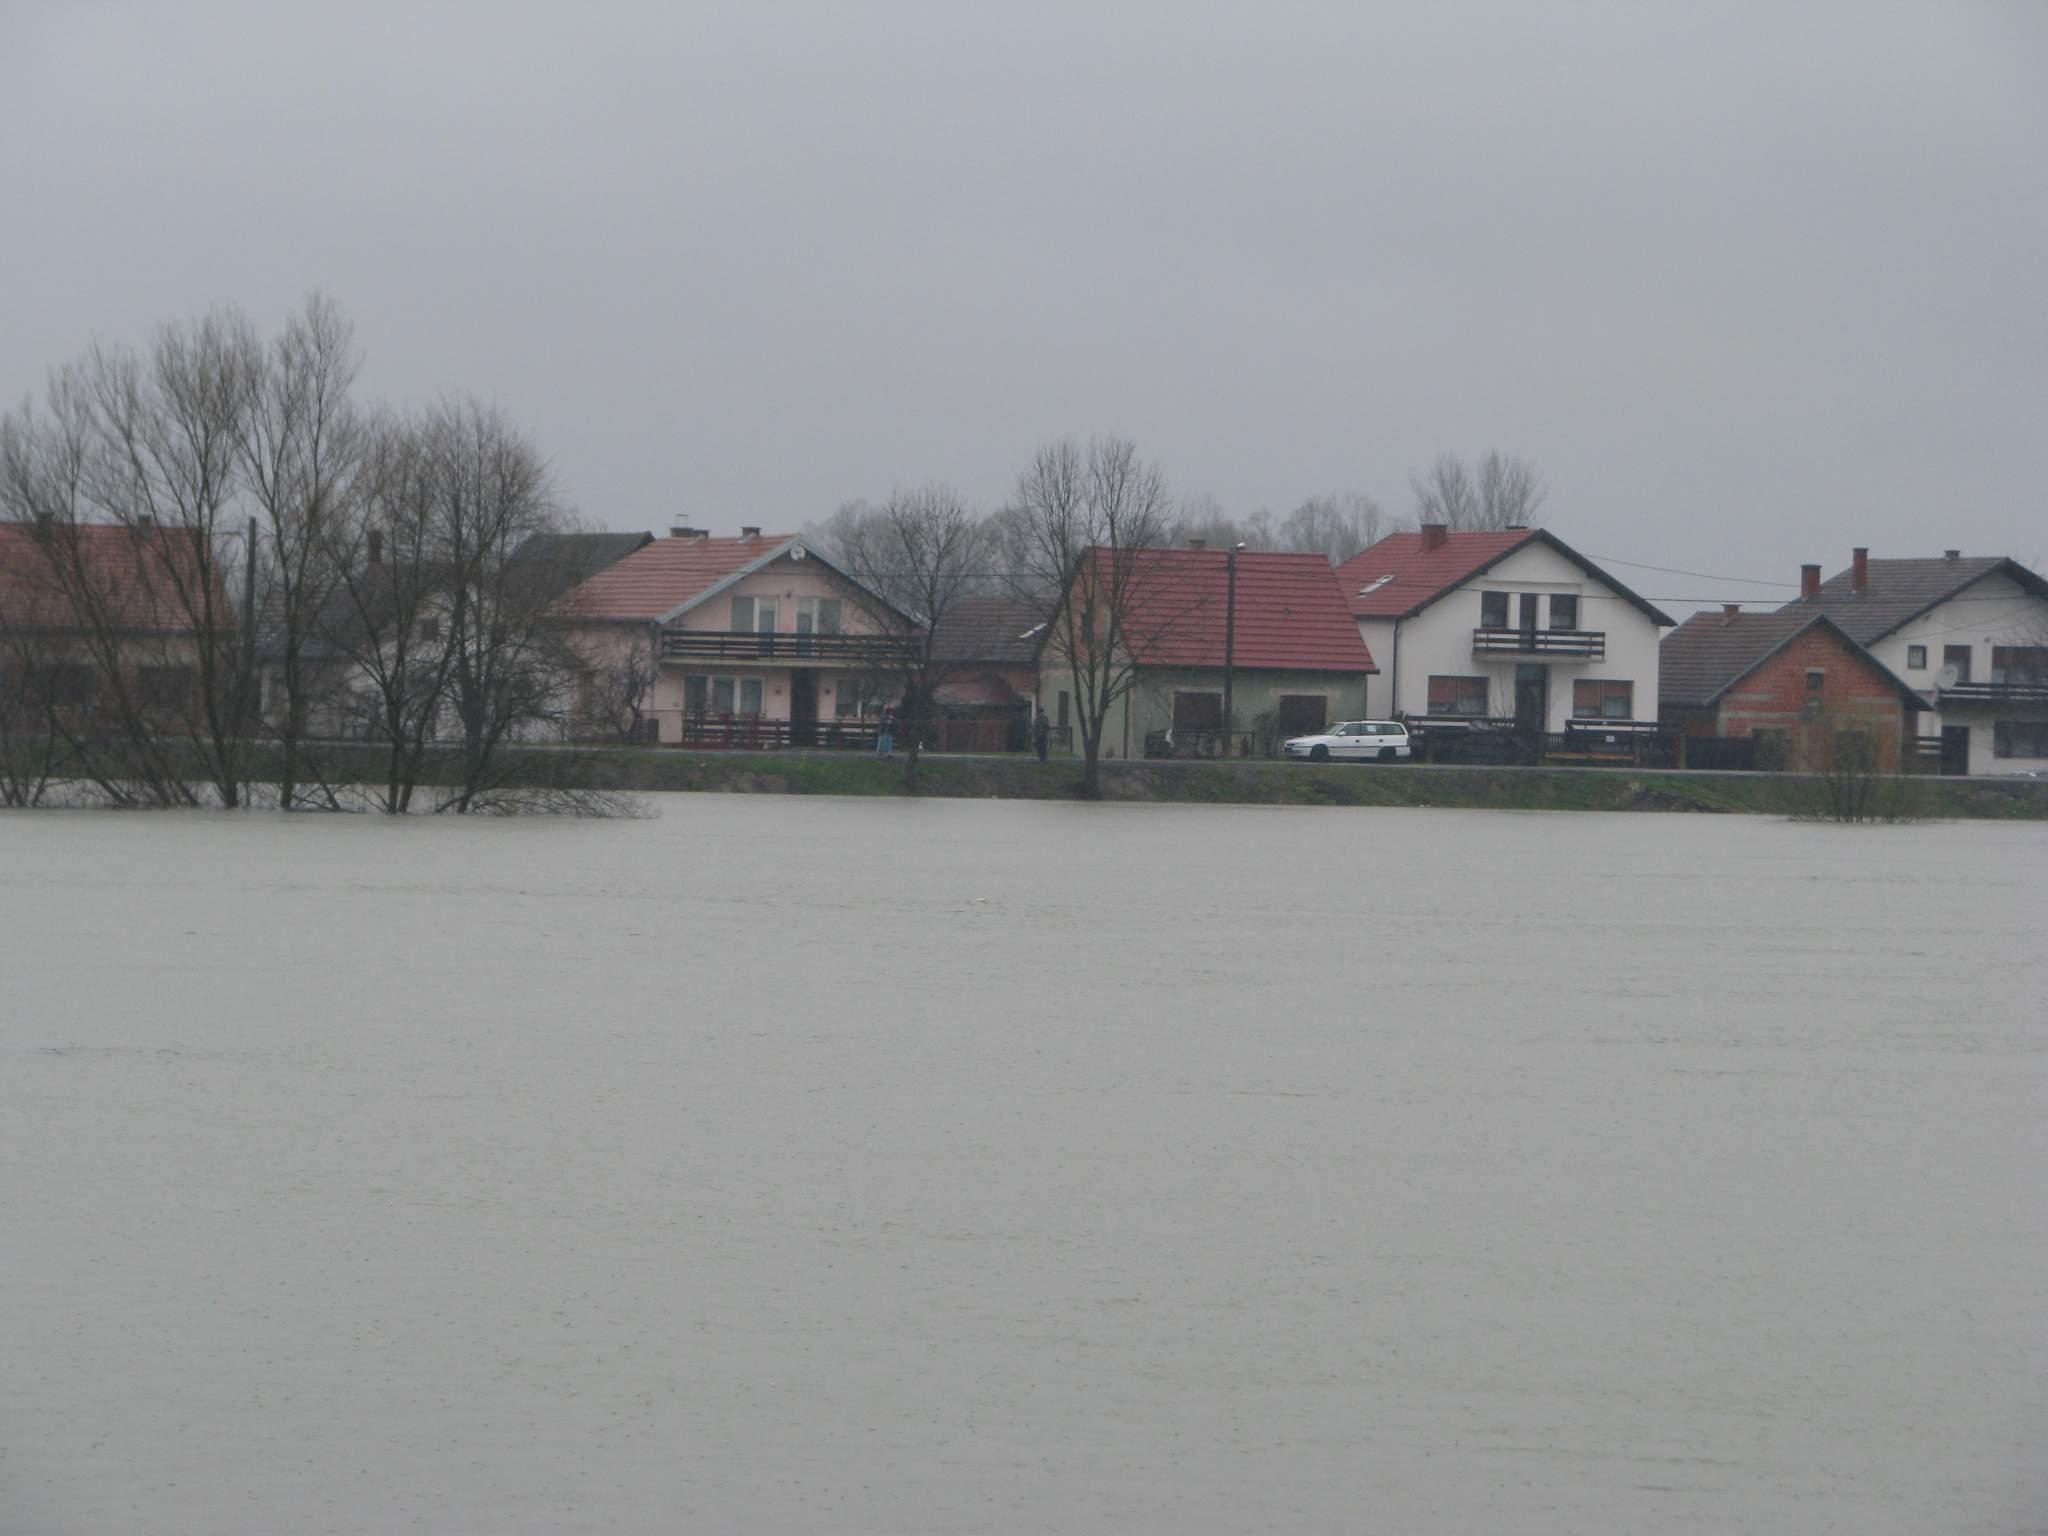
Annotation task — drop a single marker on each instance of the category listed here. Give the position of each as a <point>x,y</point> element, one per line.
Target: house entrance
<point>1532,699</point>
<point>803,708</point>
<point>1955,750</point>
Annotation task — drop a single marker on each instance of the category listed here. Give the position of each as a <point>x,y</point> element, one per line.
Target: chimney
<point>1859,563</point>
<point>682,531</point>
<point>1951,554</point>
<point>1809,581</point>
<point>1731,609</point>
<point>1198,543</point>
<point>1435,535</point>
<point>750,531</point>
<point>376,546</point>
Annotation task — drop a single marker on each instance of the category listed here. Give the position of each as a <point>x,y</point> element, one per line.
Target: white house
<point>1508,624</point>
<point>1970,636</point>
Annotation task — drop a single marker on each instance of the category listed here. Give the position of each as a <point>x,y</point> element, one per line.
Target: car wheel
<point>1386,754</point>
<point>1319,754</point>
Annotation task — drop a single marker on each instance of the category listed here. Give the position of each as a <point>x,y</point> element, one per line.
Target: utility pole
<point>251,694</point>
<point>1229,642</point>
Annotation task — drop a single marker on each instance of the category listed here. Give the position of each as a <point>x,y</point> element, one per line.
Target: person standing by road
<point>1041,735</point>
<point>885,733</point>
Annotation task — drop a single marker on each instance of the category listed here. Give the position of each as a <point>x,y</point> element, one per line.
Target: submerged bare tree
<point>1085,514</point>
<point>1503,491</point>
<point>918,553</point>
<point>302,448</point>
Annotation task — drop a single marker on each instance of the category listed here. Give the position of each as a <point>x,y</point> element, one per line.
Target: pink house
<point>753,641</point>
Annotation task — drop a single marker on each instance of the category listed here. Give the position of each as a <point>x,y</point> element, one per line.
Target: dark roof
<point>1006,630</point>
<point>1291,615</point>
<point>1419,576</point>
<point>1899,591</point>
<point>1711,652</point>
<point>581,555</point>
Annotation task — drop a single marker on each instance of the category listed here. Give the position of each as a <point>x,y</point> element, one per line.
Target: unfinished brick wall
<point>1855,695</point>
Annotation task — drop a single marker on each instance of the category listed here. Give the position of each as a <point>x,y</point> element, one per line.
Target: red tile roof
<point>658,578</point>
<point>136,576</point>
<point>1420,575</point>
<point>1291,614</point>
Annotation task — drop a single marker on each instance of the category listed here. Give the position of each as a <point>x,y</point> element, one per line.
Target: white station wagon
<point>1365,741</point>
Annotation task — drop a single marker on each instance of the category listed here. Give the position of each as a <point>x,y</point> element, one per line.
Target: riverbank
<point>1254,783</point>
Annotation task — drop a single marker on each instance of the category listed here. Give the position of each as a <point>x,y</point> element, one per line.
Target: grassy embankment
<point>1252,783</point>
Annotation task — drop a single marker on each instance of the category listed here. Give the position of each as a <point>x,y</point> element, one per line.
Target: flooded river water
<point>813,1165</point>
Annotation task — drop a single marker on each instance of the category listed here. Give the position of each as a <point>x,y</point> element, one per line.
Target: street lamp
<point>1229,640</point>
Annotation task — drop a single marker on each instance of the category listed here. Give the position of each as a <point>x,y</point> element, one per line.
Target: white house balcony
<point>1574,644</point>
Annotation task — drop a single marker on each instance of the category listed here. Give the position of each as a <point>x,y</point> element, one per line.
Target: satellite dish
<point>1947,677</point>
<point>796,552</point>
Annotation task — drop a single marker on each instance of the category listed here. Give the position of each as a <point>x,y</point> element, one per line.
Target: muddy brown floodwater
<point>849,1166</point>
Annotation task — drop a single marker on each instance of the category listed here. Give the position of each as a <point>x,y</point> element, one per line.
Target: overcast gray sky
<point>1752,283</point>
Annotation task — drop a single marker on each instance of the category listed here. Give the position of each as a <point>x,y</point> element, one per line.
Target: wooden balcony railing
<point>1586,644</point>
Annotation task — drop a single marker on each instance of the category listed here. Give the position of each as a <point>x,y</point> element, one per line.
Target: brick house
<point>1792,685</point>
<point>1968,634</point>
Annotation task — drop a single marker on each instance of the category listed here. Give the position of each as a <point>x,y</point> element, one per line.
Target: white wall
<point>1988,613</point>
<point>1439,640</point>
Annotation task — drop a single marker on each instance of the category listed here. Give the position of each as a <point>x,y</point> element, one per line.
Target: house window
<point>722,695</point>
<point>1957,656</point>
<point>1198,712</point>
<point>65,685</point>
<point>2019,738</point>
<point>1564,611</point>
<point>753,615</point>
<point>1916,658</point>
<point>2019,664</point>
<point>1493,610</point>
<point>1302,714</point>
<point>1816,679</point>
<point>854,698</point>
<point>165,688</point>
<point>817,615</point>
<point>1596,698</point>
<point>1458,695</point>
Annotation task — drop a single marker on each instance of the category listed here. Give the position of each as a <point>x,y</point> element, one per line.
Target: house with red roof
<point>751,641</point>
<point>1272,631</point>
<point>1513,624</point>
<point>100,618</point>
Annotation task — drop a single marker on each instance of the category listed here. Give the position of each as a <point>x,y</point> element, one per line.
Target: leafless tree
<point>301,449</point>
<point>615,692</point>
<point>1851,775</point>
<point>1336,526</point>
<point>384,623</point>
<point>919,553</point>
<point>1505,491</point>
<point>1085,515</point>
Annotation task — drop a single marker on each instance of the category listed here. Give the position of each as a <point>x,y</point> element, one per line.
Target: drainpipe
<point>1229,642</point>
<point>1394,676</point>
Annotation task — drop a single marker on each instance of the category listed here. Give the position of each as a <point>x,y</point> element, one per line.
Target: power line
<point>1670,570</point>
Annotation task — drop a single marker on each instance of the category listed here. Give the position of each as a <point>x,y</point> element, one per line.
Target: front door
<point>1532,699</point>
<point>1525,619</point>
<point>803,708</point>
<point>1955,750</point>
